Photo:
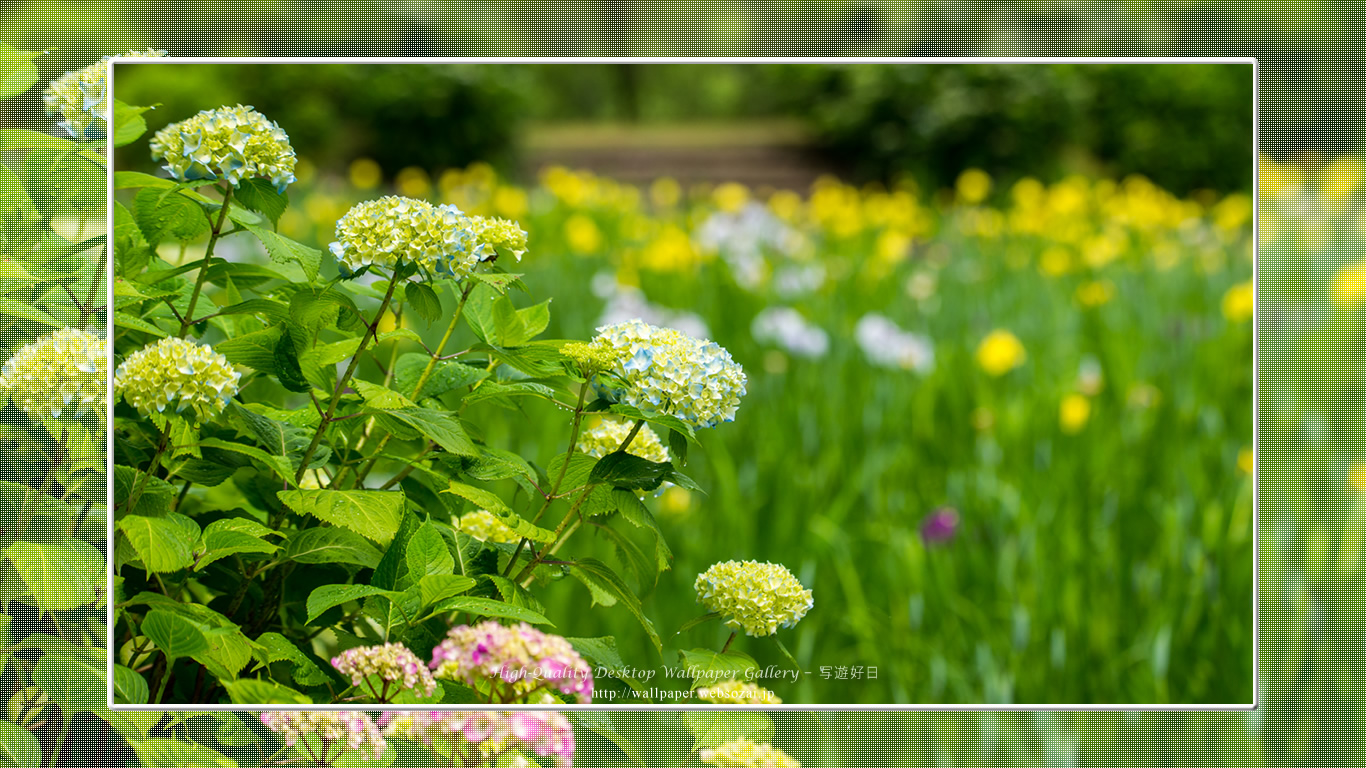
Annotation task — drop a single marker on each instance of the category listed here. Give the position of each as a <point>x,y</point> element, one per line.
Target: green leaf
<point>331,545</point>
<point>129,123</point>
<point>276,647</point>
<point>437,587</point>
<point>603,724</point>
<point>129,686</point>
<point>423,301</point>
<point>250,692</point>
<point>626,470</point>
<point>499,281</point>
<point>440,427</point>
<point>678,447</point>
<point>254,350</point>
<point>636,513</point>
<point>71,682</point>
<point>18,747</point>
<point>167,214</point>
<point>481,606</point>
<point>381,397</point>
<point>489,501</point>
<point>447,375</point>
<point>163,544</point>
<point>172,753</point>
<point>18,73</point>
<point>275,463</point>
<point>707,667</point>
<point>61,575</point>
<point>712,729</point>
<point>373,514</point>
<point>598,577</point>
<point>661,420</point>
<point>427,554</point>
<point>576,475</point>
<point>332,595</point>
<point>282,250</point>
<point>261,196</point>
<point>224,538</point>
<point>25,311</point>
<point>174,635</point>
<point>505,393</point>
<point>631,556</point>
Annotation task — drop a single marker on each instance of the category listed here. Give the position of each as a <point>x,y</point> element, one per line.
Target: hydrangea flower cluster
<point>347,730</point>
<point>545,734</point>
<point>441,239</point>
<point>393,663</point>
<point>484,526</point>
<point>232,143</point>
<point>177,370</point>
<point>63,372</point>
<point>660,369</point>
<point>517,661</point>
<point>79,97</point>
<point>743,753</point>
<point>608,434</point>
<point>737,692</point>
<point>756,597</point>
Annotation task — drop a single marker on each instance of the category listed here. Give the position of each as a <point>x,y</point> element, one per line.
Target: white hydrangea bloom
<point>180,372</point>
<point>232,143</point>
<point>61,373</point>
<point>79,97</point>
<point>756,597</point>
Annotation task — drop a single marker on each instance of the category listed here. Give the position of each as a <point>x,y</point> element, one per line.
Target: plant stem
<point>188,320</point>
<point>165,677</point>
<point>421,380</point>
<point>555,489</point>
<point>61,738</point>
<point>729,640</point>
<point>635,430</point>
<point>342,382</point>
<point>136,495</point>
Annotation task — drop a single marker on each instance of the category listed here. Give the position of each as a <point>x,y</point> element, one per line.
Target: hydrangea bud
<point>484,526</point>
<point>232,143</point>
<point>756,597</point>
<point>663,370</point>
<point>515,662</point>
<point>61,373</point>
<point>80,97</point>
<point>180,372</point>
<point>393,663</point>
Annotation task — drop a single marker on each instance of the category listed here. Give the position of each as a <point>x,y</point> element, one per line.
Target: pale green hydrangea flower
<point>743,753</point>
<point>80,97</point>
<point>232,143</point>
<point>440,239</point>
<point>63,372</point>
<point>756,597</point>
<point>737,692</point>
<point>660,369</point>
<point>180,372</point>
<point>482,525</point>
<point>607,435</point>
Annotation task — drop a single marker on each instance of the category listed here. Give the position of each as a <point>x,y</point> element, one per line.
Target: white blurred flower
<point>888,346</point>
<point>786,328</point>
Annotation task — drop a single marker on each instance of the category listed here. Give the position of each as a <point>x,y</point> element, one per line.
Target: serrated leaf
<point>712,729</point>
<point>376,515</point>
<point>18,747</point>
<point>481,606</point>
<point>129,124</point>
<point>174,635</point>
<point>427,554</point>
<point>260,195</point>
<point>282,250</point>
<point>171,753</point>
<point>25,311</point>
<point>440,427</point>
<point>60,575</point>
<point>163,544</point>
<point>71,682</point>
<point>332,595</point>
<point>18,73</point>
<point>626,470</point>
<point>489,501</point>
<point>636,513</point>
<point>277,647</point>
<point>423,300</point>
<point>254,350</point>
<point>250,692</point>
<point>437,587</point>
<point>706,667</point>
<point>446,375</point>
<point>505,392</point>
<point>129,686</point>
<point>331,545</point>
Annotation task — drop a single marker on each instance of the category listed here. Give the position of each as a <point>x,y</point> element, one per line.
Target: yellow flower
<point>413,182</point>
<point>1238,302</point>
<point>1095,293</point>
<point>1341,178</point>
<point>582,234</point>
<point>731,197</point>
<point>1000,352</point>
<point>1073,414</point>
<point>670,251</point>
<point>1356,476</point>
<point>974,185</point>
<point>785,204</point>
<point>1349,285</point>
<point>510,202</point>
<point>1246,458</point>
<point>364,173</point>
<point>665,192</point>
<point>1055,261</point>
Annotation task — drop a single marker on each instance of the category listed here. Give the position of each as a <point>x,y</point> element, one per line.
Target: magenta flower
<point>939,526</point>
<point>513,663</point>
<point>483,736</point>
